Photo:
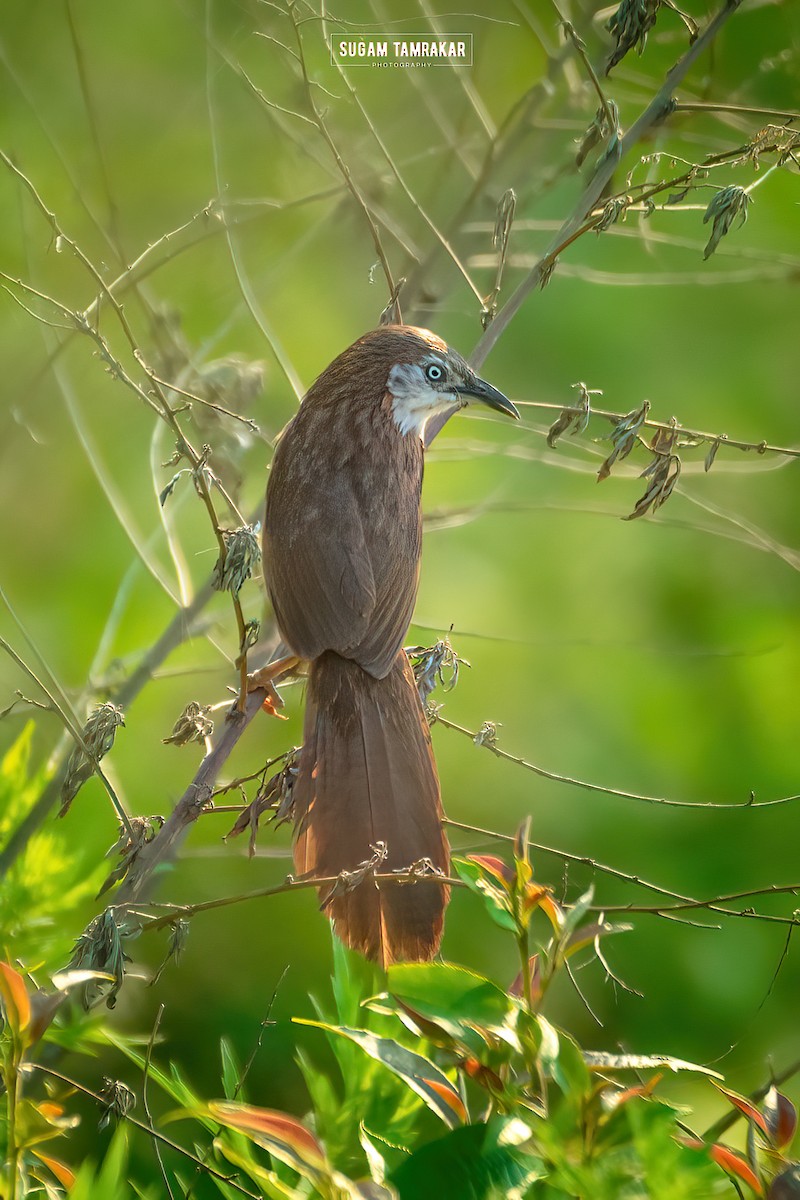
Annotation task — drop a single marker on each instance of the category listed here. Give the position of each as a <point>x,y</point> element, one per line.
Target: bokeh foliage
<point>658,656</point>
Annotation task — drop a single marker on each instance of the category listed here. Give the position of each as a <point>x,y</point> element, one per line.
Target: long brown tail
<point>367,775</point>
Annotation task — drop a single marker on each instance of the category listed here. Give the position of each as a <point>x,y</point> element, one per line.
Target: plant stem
<point>12,1084</point>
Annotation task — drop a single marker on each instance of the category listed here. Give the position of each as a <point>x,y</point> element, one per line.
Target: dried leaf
<point>574,420</point>
<point>712,451</point>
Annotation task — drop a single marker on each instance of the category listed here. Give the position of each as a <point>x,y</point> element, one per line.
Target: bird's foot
<point>265,678</point>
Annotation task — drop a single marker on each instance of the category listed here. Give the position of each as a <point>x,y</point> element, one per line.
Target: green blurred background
<point>659,656</point>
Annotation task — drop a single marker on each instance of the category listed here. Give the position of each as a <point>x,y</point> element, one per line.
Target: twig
<point>694,434</point>
<point>578,859</point>
<point>580,49</point>
<point>145,1104</point>
<point>75,733</point>
<point>352,186</point>
<point>597,787</point>
<point>180,912</point>
<point>779,114</point>
<point>194,799</point>
<point>165,1141</point>
<point>574,225</point>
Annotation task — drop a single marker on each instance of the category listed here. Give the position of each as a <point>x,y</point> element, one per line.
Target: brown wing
<point>342,540</point>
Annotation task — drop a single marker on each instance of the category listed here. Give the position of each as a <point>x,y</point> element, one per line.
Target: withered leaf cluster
<point>132,839</point>
<point>193,725</point>
<point>432,665</point>
<point>728,204</point>
<point>630,25</point>
<point>623,438</point>
<point>242,556</point>
<point>98,735</point>
<point>275,796</point>
<point>99,948</point>
<point>600,130</point>
<point>663,473</point>
<point>573,421</point>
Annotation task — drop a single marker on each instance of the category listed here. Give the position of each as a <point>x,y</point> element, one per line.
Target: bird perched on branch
<point>342,542</point>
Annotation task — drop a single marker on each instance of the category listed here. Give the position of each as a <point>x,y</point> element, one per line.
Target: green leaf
<point>473,1163</point>
<point>459,1001</point>
<point>479,880</point>
<point>419,1073</point>
<point>173,1084</point>
<point>561,1060</point>
<point>271,1185</point>
<point>110,1180</point>
<point>231,1071</point>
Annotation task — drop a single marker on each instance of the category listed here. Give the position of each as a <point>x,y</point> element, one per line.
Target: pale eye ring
<point>434,372</point>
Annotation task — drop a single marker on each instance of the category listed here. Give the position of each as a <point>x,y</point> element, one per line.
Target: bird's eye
<point>434,372</point>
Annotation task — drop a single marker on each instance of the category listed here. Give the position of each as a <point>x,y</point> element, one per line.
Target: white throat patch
<point>414,399</point>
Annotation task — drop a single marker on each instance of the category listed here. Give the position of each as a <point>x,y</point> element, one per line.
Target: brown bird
<point>342,542</point>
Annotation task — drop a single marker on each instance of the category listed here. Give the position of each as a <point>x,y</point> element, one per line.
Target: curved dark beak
<point>479,389</point>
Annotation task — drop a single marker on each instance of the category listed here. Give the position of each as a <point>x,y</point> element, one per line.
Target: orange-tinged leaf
<point>734,1164</point>
<point>449,1095</point>
<point>729,1160</point>
<point>270,1124</point>
<point>745,1106</point>
<point>15,999</point>
<point>534,894</point>
<point>64,1174</point>
<point>553,911</point>
<point>50,1110</point>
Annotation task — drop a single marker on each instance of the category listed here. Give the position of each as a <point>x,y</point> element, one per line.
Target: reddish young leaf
<point>745,1106</point>
<point>268,1127</point>
<point>493,866</point>
<point>517,989</point>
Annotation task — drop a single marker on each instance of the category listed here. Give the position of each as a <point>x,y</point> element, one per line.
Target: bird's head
<point>411,371</point>
<point>427,377</point>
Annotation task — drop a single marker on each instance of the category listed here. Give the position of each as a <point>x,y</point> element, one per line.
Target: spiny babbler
<point>342,542</point>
